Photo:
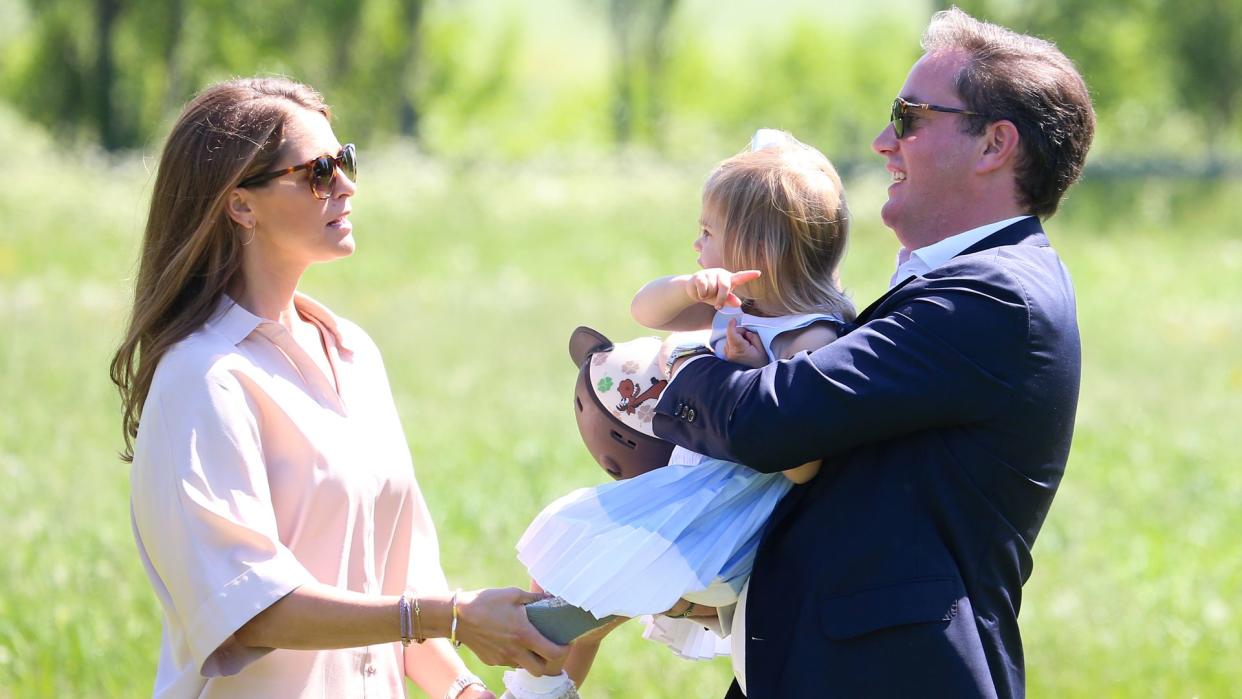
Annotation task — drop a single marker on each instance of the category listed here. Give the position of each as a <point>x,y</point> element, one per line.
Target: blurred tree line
<point>1166,74</point>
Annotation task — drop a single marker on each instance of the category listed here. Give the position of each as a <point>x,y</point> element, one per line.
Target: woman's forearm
<point>492,623</point>
<point>318,617</point>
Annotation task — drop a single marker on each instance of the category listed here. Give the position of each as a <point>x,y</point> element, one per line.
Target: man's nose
<point>886,141</point>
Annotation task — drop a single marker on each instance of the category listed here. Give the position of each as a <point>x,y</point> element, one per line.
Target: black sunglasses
<point>321,171</point>
<point>900,116</point>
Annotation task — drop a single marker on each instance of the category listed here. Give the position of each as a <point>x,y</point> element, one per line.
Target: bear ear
<point>584,342</point>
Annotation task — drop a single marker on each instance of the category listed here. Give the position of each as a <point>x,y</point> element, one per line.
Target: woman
<point>273,500</point>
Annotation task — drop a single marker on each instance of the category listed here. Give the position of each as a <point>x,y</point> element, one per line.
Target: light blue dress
<point>688,530</point>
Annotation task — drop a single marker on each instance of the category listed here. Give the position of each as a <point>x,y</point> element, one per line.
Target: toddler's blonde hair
<point>782,211</point>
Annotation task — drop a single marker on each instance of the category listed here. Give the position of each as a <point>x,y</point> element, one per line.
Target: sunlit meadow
<point>471,277</point>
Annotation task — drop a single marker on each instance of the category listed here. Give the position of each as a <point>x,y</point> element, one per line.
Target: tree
<point>1206,38</point>
<point>639,31</point>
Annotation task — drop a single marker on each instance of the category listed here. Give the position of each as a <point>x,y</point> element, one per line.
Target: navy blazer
<point>944,422</point>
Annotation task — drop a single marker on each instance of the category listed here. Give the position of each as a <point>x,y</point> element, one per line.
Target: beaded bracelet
<point>403,610</point>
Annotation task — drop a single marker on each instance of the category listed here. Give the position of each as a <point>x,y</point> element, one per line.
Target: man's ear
<point>238,208</point>
<point>1000,146</point>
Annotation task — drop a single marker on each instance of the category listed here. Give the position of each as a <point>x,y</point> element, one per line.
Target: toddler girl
<point>772,233</point>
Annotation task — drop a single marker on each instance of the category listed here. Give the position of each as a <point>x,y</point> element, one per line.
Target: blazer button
<point>684,411</point>
<point>690,417</point>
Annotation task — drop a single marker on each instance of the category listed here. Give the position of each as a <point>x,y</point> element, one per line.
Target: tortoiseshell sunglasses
<point>900,116</point>
<point>321,171</point>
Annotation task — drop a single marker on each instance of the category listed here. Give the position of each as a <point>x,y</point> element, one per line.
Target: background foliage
<point>503,78</point>
<point>525,167</point>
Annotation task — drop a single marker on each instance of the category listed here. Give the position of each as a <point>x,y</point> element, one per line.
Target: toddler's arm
<point>807,339</point>
<point>688,301</point>
<point>743,346</point>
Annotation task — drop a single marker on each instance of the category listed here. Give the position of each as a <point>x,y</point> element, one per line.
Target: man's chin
<point>889,215</point>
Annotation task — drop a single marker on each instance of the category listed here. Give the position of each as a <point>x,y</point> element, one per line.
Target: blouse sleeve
<point>204,521</point>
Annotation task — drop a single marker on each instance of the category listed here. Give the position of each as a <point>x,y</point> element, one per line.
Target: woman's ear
<point>1000,146</point>
<point>238,208</point>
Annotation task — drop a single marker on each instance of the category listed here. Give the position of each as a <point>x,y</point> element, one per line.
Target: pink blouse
<point>252,475</point>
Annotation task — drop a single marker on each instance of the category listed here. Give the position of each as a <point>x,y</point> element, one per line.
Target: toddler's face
<point>709,244</point>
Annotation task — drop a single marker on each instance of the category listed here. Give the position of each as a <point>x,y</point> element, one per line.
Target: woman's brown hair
<point>191,250</point>
<point>783,212</point>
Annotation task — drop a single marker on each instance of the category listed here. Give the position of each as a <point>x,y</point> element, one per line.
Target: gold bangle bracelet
<point>453,627</point>
<point>418,623</point>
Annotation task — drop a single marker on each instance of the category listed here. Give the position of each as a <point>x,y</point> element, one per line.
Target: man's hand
<point>743,346</point>
<point>715,286</point>
<point>493,624</point>
<point>682,606</point>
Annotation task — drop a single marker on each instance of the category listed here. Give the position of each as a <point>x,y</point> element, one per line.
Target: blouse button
<point>370,669</point>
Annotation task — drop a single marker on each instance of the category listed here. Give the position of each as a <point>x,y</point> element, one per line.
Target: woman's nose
<point>344,186</point>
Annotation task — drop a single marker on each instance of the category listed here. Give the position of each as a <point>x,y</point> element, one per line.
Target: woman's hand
<point>493,624</point>
<point>743,346</point>
<point>474,691</point>
<point>715,286</point>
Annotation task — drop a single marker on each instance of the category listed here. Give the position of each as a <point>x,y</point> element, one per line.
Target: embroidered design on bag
<point>631,398</point>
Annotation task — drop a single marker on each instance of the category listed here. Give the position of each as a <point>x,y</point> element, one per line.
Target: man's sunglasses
<point>901,117</point>
<point>321,171</point>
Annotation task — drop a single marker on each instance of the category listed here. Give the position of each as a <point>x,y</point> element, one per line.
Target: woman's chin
<point>336,249</point>
<point>346,245</point>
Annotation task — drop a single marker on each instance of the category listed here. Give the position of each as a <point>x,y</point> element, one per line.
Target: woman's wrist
<point>435,615</point>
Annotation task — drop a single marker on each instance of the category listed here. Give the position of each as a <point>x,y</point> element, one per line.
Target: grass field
<point>470,280</point>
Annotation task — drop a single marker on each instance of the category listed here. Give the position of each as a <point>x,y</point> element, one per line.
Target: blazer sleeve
<point>945,350</point>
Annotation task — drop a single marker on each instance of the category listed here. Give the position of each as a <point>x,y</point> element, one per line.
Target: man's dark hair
<point>1029,82</point>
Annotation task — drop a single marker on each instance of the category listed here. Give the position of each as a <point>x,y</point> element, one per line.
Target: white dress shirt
<point>925,259</point>
<point>254,473</point>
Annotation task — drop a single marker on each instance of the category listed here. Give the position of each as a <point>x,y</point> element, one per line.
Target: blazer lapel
<point>1028,231</point>
<point>869,310</point>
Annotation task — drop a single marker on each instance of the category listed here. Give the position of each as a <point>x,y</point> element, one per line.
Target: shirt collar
<point>235,323</point>
<point>232,321</point>
<point>928,258</point>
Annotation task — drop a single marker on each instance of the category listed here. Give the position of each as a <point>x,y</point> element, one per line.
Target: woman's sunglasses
<point>321,171</point>
<point>900,117</point>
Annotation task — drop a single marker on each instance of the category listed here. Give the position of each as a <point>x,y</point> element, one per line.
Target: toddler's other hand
<point>715,286</point>
<point>742,346</point>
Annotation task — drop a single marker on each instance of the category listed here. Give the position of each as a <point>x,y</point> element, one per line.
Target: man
<point>944,420</point>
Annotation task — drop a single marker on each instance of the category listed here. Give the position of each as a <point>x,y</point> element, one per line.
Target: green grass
<point>471,278</point>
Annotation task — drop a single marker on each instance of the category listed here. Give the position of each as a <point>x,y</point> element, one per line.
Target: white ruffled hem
<point>687,638</point>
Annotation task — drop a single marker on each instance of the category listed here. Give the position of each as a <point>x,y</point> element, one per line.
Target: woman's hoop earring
<point>250,240</point>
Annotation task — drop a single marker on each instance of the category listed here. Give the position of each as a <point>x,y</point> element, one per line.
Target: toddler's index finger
<point>740,278</point>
